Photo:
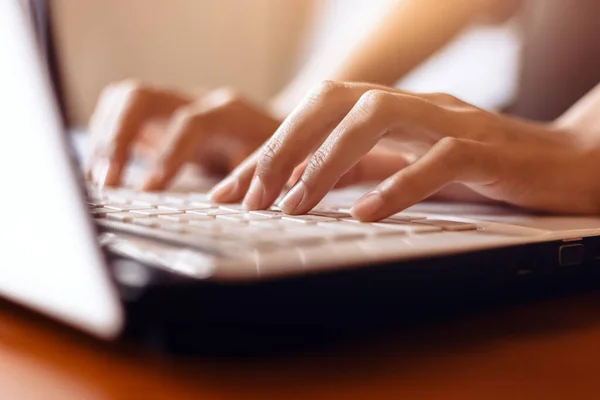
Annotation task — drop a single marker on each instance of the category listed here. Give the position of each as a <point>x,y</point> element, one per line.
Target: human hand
<point>216,131</point>
<point>444,140</point>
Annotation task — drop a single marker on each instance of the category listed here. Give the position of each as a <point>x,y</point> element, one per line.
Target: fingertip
<point>225,191</point>
<point>369,207</point>
<point>154,182</point>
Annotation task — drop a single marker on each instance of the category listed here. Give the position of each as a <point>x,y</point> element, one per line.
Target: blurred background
<point>256,47</point>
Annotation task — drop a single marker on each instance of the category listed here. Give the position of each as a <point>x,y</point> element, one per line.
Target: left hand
<point>443,140</point>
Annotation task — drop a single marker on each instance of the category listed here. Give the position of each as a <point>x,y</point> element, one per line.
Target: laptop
<point>176,269</point>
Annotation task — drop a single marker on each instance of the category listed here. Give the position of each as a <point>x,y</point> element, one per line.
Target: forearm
<point>584,116</point>
<point>411,32</point>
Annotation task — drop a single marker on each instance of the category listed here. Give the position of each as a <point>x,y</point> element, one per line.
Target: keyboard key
<point>183,207</point>
<point>124,207</point>
<point>173,226</point>
<point>406,227</point>
<point>448,225</point>
<point>268,213</point>
<point>211,223</point>
<point>270,224</point>
<point>102,212</point>
<point>202,205</point>
<point>307,219</point>
<point>300,237</point>
<point>212,211</point>
<point>244,217</point>
<point>234,207</point>
<point>364,228</point>
<point>332,231</point>
<point>406,217</point>
<point>330,214</point>
<point>152,212</point>
<point>121,216</point>
<point>185,217</point>
<point>144,198</point>
<point>197,197</point>
<point>149,222</point>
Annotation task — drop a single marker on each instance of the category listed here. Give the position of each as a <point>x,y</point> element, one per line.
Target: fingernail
<point>100,172</point>
<point>367,206</point>
<point>225,189</point>
<point>293,198</point>
<point>255,195</point>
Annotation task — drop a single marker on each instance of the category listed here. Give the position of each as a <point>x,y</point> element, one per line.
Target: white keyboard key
<point>244,217</point>
<point>211,211</point>
<point>307,219</point>
<point>121,216</point>
<point>364,228</point>
<point>449,225</point>
<point>201,197</point>
<point>299,237</point>
<point>330,214</point>
<point>185,217</point>
<point>183,207</point>
<point>212,221</point>
<point>350,220</point>
<point>330,231</point>
<point>268,213</point>
<point>173,227</point>
<point>152,212</point>
<point>202,205</point>
<point>234,207</point>
<point>405,217</point>
<point>146,199</point>
<point>175,198</point>
<point>407,227</point>
<point>271,224</point>
<point>102,212</point>
<point>149,222</point>
<point>124,207</point>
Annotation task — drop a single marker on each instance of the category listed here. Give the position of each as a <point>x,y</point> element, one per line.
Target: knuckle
<point>326,90</point>
<point>132,89</point>
<point>187,119</point>
<point>373,102</point>
<point>444,98</point>
<point>224,97</point>
<point>317,162</point>
<point>450,145</point>
<point>452,151</point>
<point>268,155</point>
<point>185,116</point>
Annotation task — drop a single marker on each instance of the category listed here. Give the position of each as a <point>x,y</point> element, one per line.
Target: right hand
<point>216,131</point>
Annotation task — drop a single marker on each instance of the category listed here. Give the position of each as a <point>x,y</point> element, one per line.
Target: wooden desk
<point>547,350</point>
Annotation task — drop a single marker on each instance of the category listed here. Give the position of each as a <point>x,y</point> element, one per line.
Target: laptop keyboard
<point>191,219</point>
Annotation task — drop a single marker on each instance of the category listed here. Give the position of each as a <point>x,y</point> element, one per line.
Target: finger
<point>374,167</point>
<point>370,119</point>
<point>220,113</point>
<point>119,117</point>
<point>300,134</point>
<point>450,160</point>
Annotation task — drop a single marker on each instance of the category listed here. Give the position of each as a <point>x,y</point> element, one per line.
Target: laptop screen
<point>50,260</point>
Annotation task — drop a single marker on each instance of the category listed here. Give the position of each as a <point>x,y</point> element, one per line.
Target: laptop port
<point>571,254</point>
